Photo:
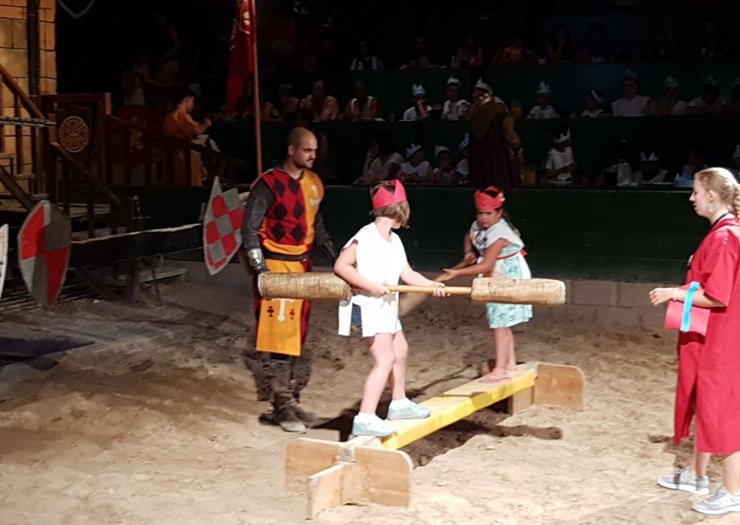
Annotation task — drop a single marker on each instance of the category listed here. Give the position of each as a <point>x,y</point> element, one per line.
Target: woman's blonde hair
<point>399,211</point>
<point>723,184</point>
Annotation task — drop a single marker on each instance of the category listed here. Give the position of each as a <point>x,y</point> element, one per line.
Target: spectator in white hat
<point>631,104</point>
<point>420,110</point>
<point>454,108</point>
<point>670,104</point>
<point>559,163</point>
<point>462,171</point>
<point>444,170</point>
<point>594,105</point>
<point>416,168</point>
<point>709,101</point>
<point>543,109</point>
<point>650,171</point>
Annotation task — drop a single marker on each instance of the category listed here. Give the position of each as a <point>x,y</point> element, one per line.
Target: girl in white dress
<point>372,260</point>
<point>499,252</point>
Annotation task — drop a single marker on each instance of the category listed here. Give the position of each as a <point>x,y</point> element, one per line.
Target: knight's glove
<point>330,251</point>
<point>256,260</point>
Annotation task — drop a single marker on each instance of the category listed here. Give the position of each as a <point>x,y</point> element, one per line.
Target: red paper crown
<point>385,197</point>
<point>483,201</point>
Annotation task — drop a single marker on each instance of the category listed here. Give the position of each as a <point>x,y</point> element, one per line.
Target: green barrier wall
<point>621,235</point>
<point>593,139</point>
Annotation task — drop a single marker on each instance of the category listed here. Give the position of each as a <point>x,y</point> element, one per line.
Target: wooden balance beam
<point>374,470</point>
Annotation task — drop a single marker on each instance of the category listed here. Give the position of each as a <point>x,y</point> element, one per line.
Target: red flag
<point>241,55</point>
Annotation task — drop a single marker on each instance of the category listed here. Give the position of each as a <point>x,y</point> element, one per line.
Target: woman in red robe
<point>709,365</point>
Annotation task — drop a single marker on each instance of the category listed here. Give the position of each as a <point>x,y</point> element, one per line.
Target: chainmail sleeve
<point>258,202</point>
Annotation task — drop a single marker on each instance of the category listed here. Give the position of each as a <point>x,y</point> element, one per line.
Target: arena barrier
<point>373,470</point>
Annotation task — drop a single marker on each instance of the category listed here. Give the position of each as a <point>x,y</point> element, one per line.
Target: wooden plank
<point>458,403</point>
<point>521,401</point>
<point>325,489</point>
<point>379,476</point>
<point>560,386</point>
<point>305,457</point>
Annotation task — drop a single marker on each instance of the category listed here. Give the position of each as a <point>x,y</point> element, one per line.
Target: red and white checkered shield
<point>43,251</point>
<point>3,255</point>
<point>222,224</point>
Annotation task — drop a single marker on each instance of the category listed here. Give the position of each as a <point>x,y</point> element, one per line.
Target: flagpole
<point>256,87</point>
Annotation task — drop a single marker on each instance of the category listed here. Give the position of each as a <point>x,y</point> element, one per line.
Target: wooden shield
<point>43,251</point>
<point>3,256</point>
<point>222,224</point>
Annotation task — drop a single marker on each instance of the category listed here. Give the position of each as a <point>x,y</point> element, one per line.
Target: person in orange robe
<point>179,124</point>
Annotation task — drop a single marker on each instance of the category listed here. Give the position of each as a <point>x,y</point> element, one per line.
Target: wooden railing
<point>164,160</point>
<point>23,107</point>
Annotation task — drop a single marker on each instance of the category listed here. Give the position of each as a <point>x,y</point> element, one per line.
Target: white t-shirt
<point>630,108</point>
<point>679,108</point>
<point>421,170</point>
<point>455,110</point>
<point>380,171</point>
<point>594,113</point>
<point>538,112</point>
<point>698,102</point>
<point>462,168</point>
<point>556,160</point>
<point>410,114</point>
<point>379,261</point>
<point>482,239</point>
<point>640,177</point>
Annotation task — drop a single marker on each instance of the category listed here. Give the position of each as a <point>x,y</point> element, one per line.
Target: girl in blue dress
<point>499,252</point>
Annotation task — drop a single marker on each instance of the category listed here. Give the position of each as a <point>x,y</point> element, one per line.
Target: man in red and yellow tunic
<point>282,223</point>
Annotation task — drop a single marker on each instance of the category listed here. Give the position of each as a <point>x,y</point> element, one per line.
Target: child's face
<point>444,160</point>
<point>417,158</point>
<point>543,99</point>
<point>562,145</point>
<point>487,218</point>
<point>591,103</point>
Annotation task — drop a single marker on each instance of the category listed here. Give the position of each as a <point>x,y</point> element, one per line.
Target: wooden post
<point>256,90</point>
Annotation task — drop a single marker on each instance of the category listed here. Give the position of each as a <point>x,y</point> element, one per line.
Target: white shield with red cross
<point>43,251</point>
<point>222,234</point>
<point>3,255</point>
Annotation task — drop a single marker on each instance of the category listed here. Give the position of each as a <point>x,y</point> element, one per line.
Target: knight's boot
<point>283,413</point>
<point>304,415</point>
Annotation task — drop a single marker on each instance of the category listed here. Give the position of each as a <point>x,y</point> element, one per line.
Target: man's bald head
<point>302,146</point>
<point>298,135</point>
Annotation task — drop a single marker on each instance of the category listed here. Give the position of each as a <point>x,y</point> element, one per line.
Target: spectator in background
<point>712,43</point>
<point>515,53</point>
<point>669,103</point>
<point>543,109</point>
<point>620,172</point>
<point>650,171</point>
<point>596,48</point>
<point>559,163</point>
<point>420,110</point>
<point>363,106</point>
<point>735,169</point>
<point>179,124</point>
<point>416,168</point>
<point>560,46</point>
<point>631,104</point>
<point>267,110</point>
<point>665,44</point>
<point>324,106</point>
<point>381,162</point>
<point>365,60</point>
<point>709,101</point>
<point>443,170</point>
<point>733,107</point>
<point>695,162</point>
<point>468,55</point>
<point>462,171</point>
<point>329,60</point>
<point>421,58</point>
<point>306,62</point>
<point>594,105</point>
<point>454,108</point>
<point>288,102</point>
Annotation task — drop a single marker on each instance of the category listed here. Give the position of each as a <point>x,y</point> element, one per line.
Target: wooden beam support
<point>373,470</point>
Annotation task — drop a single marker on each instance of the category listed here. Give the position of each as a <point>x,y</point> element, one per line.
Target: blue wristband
<point>687,303</point>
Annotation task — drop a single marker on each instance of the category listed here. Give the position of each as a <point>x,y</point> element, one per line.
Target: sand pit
<point>153,419</point>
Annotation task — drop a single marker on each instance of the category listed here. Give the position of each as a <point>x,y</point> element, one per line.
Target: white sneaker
<point>372,427</point>
<point>721,502</point>
<point>686,481</point>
